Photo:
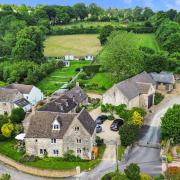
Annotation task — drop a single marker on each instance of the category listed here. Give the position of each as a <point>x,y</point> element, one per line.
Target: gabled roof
<point>77,93</point>
<point>87,121</point>
<point>136,85</point>
<point>41,124</point>
<point>163,77</point>
<point>23,88</point>
<point>8,95</point>
<point>22,102</point>
<point>62,104</point>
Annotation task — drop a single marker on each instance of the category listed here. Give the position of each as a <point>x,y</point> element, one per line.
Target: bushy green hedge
<point>91,69</point>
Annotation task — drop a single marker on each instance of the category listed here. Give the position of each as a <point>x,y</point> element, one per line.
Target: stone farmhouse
<point>66,102</point>
<point>12,98</point>
<point>164,81</point>
<point>138,91</point>
<point>55,133</point>
<point>30,92</point>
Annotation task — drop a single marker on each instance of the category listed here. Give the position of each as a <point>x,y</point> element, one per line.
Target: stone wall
<point>33,146</point>
<point>86,140</point>
<point>39,172</point>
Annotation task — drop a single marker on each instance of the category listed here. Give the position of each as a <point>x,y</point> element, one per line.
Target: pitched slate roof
<point>87,121</point>
<point>23,88</point>
<point>62,104</point>
<point>41,124</point>
<point>136,85</point>
<point>22,102</point>
<point>163,77</point>
<point>76,93</point>
<point>8,95</point>
<point>143,88</point>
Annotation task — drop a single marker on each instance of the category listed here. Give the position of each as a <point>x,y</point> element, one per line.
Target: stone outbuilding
<point>164,80</point>
<point>138,91</point>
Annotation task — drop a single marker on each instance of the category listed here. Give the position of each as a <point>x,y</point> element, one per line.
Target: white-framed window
<point>78,141</point>
<point>56,151</point>
<point>53,141</point>
<point>43,151</point>
<point>76,128</point>
<point>55,126</point>
<point>78,150</point>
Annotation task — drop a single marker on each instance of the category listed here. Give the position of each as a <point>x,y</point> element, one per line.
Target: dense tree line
<point>27,72</point>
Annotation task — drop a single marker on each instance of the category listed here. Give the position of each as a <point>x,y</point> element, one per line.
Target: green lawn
<point>7,148</point>
<point>102,80</point>
<point>147,40</point>
<point>78,45</point>
<point>59,77</point>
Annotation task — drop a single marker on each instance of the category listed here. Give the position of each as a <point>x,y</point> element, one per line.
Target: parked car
<point>116,124</point>
<point>98,128</point>
<point>101,119</point>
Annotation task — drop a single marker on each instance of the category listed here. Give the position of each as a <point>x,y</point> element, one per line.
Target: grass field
<point>59,77</point>
<point>78,45</point>
<point>7,149</point>
<point>147,40</point>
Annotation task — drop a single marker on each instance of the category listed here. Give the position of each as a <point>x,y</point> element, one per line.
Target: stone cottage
<point>55,133</point>
<point>164,80</point>
<point>30,92</point>
<point>137,91</point>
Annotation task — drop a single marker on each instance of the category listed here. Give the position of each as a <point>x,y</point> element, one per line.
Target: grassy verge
<point>7,148</point>
<point>59,77</point>
<point>121,150</point>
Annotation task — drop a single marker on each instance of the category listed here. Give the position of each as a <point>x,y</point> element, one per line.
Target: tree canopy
<point>170,124</point>
<point>121,56</point>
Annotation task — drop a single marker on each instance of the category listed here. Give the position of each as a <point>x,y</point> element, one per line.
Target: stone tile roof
<point>77,93</point>
<point>87,121</point>
<point>23,88</point>
<point>143,88</point>
<point>163,77</point>
<point>22,102</point>
<point>62,104</point>
<point>8,95</point>
<point>136,85</point>
<point>41,124</point>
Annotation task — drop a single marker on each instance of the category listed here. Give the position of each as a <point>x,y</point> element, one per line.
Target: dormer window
<point>56,125</point>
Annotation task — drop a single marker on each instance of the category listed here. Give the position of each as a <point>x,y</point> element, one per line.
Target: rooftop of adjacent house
<point>41,124</point>
<point>139,84</point>
<point>8,95</point>
<point>77,93</point>
<point>62,104</point>
<point>22,102</point>
<point>163,77</point>
<point>23,88</point>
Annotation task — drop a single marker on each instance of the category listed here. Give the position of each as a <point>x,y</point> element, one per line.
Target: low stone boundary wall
<point>39,172</point>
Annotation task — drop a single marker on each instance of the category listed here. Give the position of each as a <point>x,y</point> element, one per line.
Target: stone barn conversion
<point>138,91</point>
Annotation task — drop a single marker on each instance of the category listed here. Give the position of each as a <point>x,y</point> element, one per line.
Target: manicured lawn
<point>148,40</point>
<point>59,77</point>
<point>7,148</point>
<point>103,81</point>
<point>78,45</point>
<point>121,150</point>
